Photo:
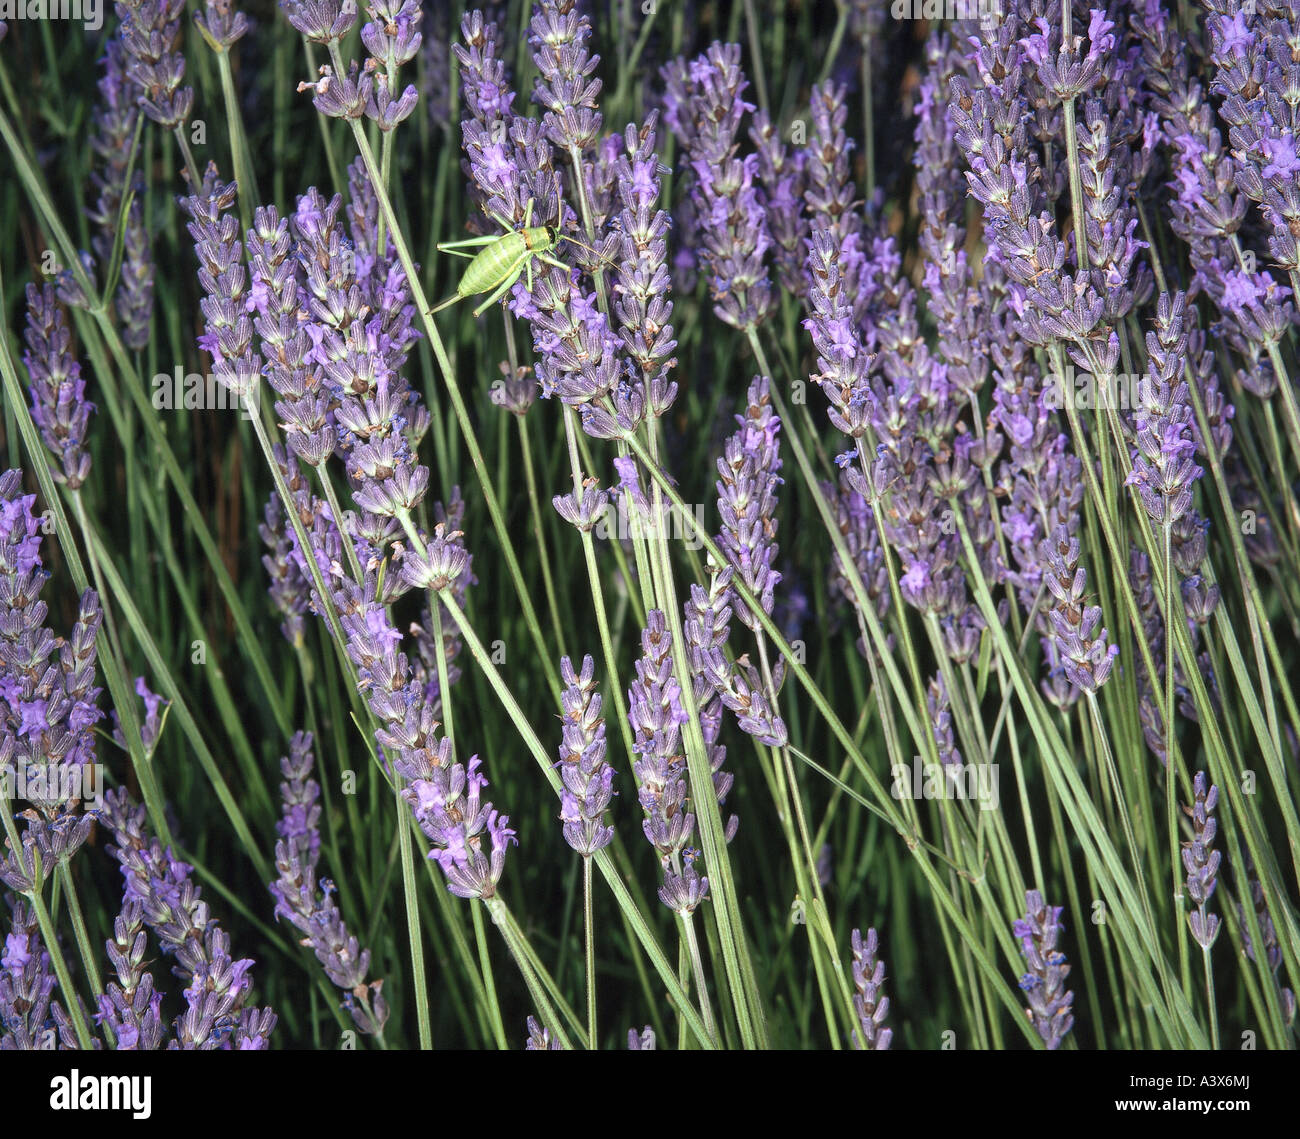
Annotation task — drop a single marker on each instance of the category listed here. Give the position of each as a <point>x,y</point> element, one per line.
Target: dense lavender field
<point>668,524</point>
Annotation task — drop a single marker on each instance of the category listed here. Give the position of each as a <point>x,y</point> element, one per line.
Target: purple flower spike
<point>156,68</point>
<point>588,779</point>
<point>304,900</point>
<point>59,404</point>
<point>643,1041</point>
<point>539,1038</point>
<point>656,713</point>
<point>173,907</point>
<point>870,1005</point>
<point>1202,862</point>
<point>1044,983</point>
<point>728,205</point>
<point>27,1019</point>
<point>131,1006</point>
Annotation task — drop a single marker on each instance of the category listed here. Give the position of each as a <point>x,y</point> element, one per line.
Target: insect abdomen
<point>493,265</point>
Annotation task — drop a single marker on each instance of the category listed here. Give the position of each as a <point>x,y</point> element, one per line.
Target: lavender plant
<point>916,402</point>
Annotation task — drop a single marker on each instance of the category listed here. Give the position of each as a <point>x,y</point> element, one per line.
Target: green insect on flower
<point>503,258</point>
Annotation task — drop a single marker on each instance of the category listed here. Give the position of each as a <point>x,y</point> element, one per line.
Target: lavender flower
<point>27,1021</point>
<point>130,1006</point>
<point>172,906</point>
<point>228,330</point>
<point>305,901</point>
<point>733,224</point>
<point>149,32</point>
<point>151,727</point>
<point>643,1041</point>
<point>58,393</point>
<point>115,122</point>
<point>321,21</point>
<point>1076,644</point>
<point>1272,951</point>
<point>564,86</point>
<point>782,174</point>
<point>1163,467</point>
<point>221,24</point>
<point>134,302</point>
<point>1201,862</point>
<point>656,714</point>
<point>747,499</point>
<point>49,703</point>
<point>277,292</point>
<point>392,37</point>
<point>706,626</point>
<point>446,800</point>
<point>1256,78</point>
<point>588,778</point>
<point>843,361</point>
<point>641,283</point>
<point>1044,983</point>
<point>539,1039</point>
<point>868,1003</point>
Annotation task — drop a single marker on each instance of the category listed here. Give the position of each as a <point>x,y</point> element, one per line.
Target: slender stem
<point>414,939</point>
<point>489,983</point>
<point>589,936</point>
<point>697,967</point>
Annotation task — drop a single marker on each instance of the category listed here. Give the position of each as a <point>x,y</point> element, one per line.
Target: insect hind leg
<point>511,278</point>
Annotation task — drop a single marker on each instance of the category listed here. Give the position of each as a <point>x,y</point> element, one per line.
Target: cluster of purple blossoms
<point>1050,303</point>
<point>643,1041</point>
<point>228,329</point>
<point>304,899</point>
<point>941,191</point>
<point>844,364</point>
<point>1076,643</point>
<point>49,704</point>
<point>372,91</point>
<point>130,1007</point>
<point>1164,469</point>
<point>539,1038</point>
<point>641,282</point>
<point>221,24</point>
<point>868,1002</point>
<point>1207,211</point>
<point>1253,49</point>
<point>558,34</point>
<point>150,726</point>
<point>58,393</point>
<point>783,179</point>
<point>444,795</point>
<point>1202,862</point>
<point>748,471</point>
<point>115,122</point>
<point>446,799</point>
<point>1268,934</point>
<point>729,208</point>
<point>171,905</point>
<point>1044,983</point>
<point>278,291</point>
<point>155,67</point>
<point>588,779</point>
<point>29,1016</point>
<point>657,715</point>
<point>425,670</point>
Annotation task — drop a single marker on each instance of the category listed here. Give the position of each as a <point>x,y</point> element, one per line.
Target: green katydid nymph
<point>503,258</point>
